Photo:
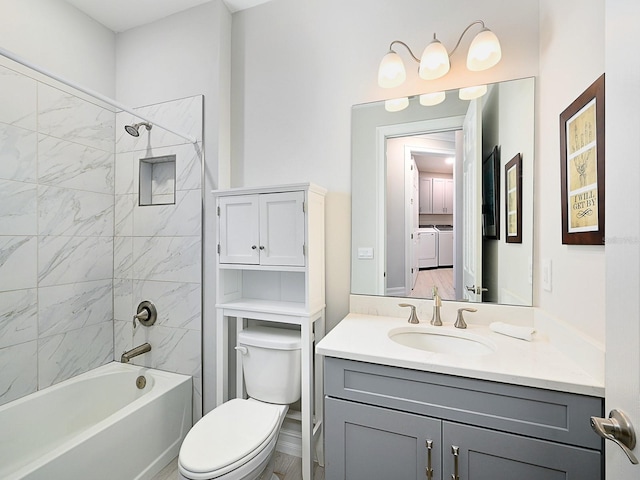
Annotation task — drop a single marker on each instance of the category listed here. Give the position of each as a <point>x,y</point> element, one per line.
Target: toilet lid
<point>227,434</point>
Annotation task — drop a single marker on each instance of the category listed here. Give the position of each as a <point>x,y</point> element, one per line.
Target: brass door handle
<point>619,430</point>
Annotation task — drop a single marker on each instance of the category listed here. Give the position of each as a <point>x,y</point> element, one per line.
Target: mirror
<point>400,183</point>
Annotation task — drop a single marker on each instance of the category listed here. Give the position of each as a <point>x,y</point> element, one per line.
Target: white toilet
<point>235,440</point>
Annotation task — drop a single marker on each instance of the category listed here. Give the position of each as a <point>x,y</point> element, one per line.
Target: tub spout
<point>134,352</point>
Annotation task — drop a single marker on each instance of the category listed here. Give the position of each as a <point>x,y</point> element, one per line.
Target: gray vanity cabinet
<point>392,423</point>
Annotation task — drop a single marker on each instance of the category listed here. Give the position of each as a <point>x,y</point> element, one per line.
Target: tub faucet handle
<point>146,314</point>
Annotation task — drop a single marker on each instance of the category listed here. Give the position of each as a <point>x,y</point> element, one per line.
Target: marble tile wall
<point>157,248</point>
<point>57,181</point>
<point>77,252</point>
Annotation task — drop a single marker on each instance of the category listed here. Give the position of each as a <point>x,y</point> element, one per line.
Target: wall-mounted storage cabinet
<point>436,195</point>
<point>442,196</point>
<point>389,422</point>
<point>264,229</point>
<point>270,268</point>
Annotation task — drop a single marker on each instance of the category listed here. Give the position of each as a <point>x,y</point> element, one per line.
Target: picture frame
<point>491,195</point>
<point>582,162</point>
<point>513,199</point>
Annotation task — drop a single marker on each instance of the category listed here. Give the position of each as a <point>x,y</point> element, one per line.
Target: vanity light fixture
<point>469,93</point>
<point>431,99</point>
<point>396,104</point>
<point>484,52</point>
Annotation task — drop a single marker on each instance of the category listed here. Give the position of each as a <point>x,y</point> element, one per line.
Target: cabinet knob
<point>253,247</point>
<point>261,247</point>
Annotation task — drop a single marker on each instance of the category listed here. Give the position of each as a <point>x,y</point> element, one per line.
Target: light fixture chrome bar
<point>91,93</point>
<point>465,31</point>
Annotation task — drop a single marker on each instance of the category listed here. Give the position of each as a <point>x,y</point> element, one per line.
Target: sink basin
<point>448,342</point>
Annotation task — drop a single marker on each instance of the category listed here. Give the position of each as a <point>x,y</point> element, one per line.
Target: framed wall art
<point>513,199</point>
<point>582,168</point>
<point>491,195</point>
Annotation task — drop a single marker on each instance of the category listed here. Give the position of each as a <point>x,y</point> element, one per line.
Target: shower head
<point>133,129</point>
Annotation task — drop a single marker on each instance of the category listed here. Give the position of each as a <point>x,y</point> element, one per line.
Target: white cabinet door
<point>282,229</point>
<point>425,195</point>
<point>448,196</point>
<point>239,234</point>
<point>443,195</point>
<point>265,229</point>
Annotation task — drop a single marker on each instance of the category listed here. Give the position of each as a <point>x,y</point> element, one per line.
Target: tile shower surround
<point>77,253</point>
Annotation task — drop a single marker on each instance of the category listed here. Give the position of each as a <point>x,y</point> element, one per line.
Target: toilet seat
<point>228,437</point>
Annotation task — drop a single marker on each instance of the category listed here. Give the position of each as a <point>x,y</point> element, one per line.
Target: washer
<point>445,245</point>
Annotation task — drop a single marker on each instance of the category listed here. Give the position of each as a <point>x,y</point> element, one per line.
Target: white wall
<point>571,58</point>
<point>60,38</point>
<point>298,67</point>
<point>183,55</point>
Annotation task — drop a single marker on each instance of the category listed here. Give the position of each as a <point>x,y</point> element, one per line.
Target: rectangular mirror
<point>418,180</point>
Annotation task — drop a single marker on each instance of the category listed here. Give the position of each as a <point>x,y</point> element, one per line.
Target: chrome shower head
<point>133,129</point>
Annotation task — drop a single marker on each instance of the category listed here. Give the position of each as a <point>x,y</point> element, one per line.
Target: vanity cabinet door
<point>491,455</point>
<point>363,442</point>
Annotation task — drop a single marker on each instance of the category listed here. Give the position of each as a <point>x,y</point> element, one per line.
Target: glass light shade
<point>434,62</point>
<point>391,72</point>
<point>431,99</point>
<point>484,51</point>
<point>469,93</point>
<point>396,104</point>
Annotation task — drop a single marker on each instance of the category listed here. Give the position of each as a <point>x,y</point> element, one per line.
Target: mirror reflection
<point>430,200</point>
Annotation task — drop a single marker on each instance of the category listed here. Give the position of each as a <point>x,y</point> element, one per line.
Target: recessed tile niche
<point>157,181</point>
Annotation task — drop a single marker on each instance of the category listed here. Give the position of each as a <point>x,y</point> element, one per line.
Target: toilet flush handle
<point>242,350</point>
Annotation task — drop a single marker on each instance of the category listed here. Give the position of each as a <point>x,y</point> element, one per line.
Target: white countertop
<point>536,364</point>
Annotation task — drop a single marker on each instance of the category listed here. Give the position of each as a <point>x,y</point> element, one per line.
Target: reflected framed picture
<point>491,195</point>
<point>582,168</point>
<point>513,199</point>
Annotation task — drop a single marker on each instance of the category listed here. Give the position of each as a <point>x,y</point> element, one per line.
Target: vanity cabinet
<point>263,229</point>
<point>442,196</point>
<point>386,422</point>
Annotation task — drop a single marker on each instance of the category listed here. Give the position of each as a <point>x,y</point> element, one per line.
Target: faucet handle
<point>413,318</point>
<point>460,323</point>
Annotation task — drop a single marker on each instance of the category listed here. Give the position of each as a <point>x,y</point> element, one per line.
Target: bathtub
<point>98,425</point>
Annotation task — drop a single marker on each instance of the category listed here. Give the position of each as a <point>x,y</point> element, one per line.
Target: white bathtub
<point>96,426</point>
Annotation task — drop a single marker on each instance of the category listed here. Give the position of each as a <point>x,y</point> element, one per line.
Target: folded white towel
<point>524,333</point>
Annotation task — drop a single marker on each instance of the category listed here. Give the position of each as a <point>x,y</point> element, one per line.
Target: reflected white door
<point>415,203</point>
<point>472,199</point>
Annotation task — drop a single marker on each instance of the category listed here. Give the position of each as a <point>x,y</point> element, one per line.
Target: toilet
<point>235,441</point>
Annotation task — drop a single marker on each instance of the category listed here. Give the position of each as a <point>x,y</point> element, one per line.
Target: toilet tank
<point>271,363</point>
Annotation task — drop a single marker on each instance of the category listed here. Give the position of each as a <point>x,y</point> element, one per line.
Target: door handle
<point>619,430</point>
<point>477,290</point>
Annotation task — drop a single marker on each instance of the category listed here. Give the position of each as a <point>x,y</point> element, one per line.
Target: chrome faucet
<point>437,305</point>
<point>413,318</point>
<point>460,323</point>
<point>134,352</point>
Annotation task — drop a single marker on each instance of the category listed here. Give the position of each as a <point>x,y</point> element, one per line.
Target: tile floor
<point>285,467</point>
